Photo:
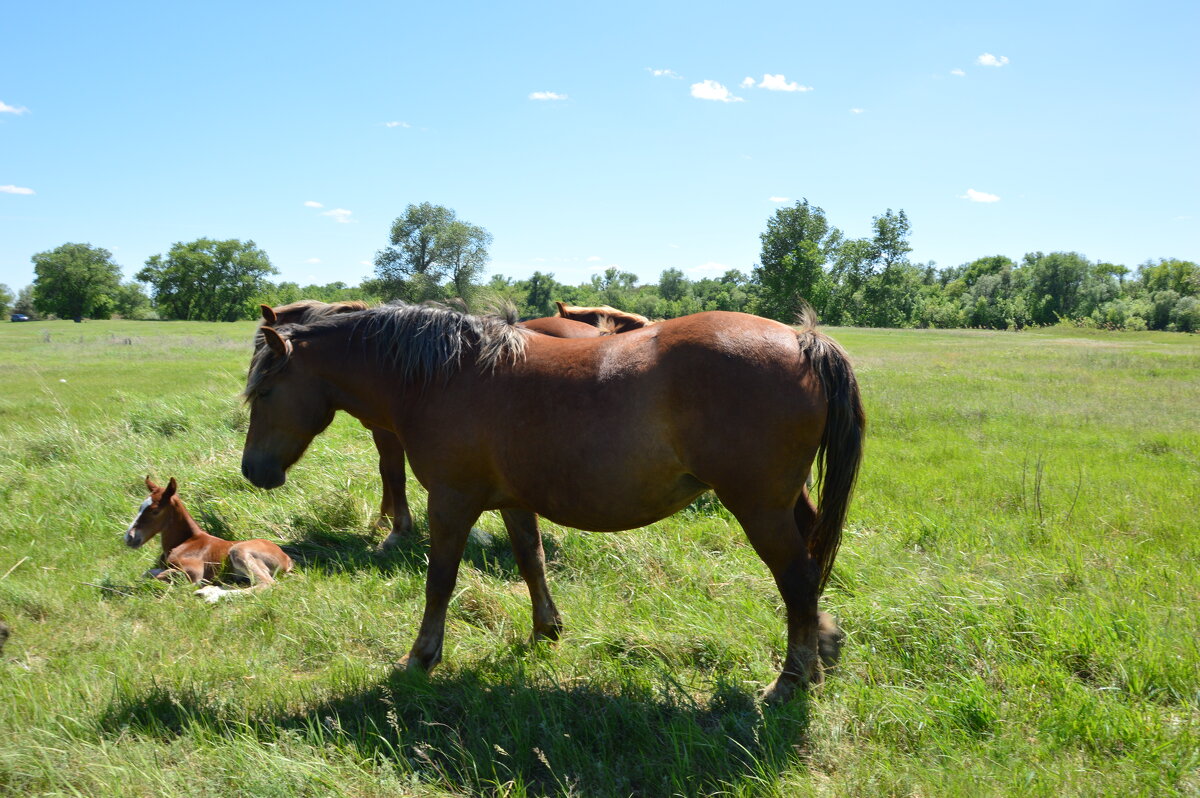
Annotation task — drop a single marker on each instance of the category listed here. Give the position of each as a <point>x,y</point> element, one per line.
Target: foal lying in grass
<point>189,550</point>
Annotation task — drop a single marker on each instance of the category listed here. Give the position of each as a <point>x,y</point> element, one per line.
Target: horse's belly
<point>611,505</point>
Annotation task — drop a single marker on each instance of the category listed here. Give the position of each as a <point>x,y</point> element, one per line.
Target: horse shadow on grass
<point>328,551</point>
<point>488,732</point>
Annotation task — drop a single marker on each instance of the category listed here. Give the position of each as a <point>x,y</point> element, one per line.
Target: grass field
<point>1019,582</point>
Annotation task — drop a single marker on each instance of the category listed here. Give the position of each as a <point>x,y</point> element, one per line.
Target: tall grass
<point>1018,582</point>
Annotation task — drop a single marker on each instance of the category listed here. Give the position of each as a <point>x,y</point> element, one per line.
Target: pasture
<point>1019,582</point>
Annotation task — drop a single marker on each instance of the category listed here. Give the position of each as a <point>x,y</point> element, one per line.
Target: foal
<point>188,549</point>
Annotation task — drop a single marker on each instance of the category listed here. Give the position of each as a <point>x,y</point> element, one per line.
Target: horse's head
<point>288,408</point>
<point>154,514</point>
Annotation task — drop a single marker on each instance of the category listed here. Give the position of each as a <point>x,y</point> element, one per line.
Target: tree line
<point>433,255</point>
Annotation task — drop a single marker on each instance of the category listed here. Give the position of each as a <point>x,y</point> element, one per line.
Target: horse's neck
<point>181,529</point>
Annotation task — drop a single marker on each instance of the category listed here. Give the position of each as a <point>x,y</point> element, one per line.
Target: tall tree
<point>208,280</point>
<point>429,244</point>
<point>6,299</point>
<point>75,280</point>
<point>795,247</point>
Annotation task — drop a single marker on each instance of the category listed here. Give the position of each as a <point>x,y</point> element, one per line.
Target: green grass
<point>1019,584</point>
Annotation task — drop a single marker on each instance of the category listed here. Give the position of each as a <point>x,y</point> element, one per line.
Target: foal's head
<point>153,516</point>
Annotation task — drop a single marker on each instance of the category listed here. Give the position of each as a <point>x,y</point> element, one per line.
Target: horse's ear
<point>562,309</point>
<point>169,491</point>
<point>274,341</point>
<point>268,314</point>
<point>150,486</point>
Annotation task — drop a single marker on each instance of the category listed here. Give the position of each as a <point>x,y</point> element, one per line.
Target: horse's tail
<point>841,446</point>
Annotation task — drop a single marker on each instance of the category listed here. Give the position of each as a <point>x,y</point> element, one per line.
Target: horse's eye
<point>263,394</point>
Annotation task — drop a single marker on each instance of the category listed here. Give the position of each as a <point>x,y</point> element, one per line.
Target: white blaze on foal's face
<point>133,535</point>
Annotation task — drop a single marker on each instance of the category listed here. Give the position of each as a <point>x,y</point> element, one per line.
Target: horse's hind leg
<point>449,525</point>
<point>777,538</point>
<point>526,542</point>
<point>393,507</point>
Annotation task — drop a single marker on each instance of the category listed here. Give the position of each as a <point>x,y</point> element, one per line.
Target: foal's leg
<point>394,504</point>
<point>780,543</point>
<point>526,542</point>
<point>449,524</point>
<point>249,564</point>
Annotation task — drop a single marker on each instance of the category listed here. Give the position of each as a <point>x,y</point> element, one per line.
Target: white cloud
<point>664,73</point>
<point>780,83</point>
<point>547,95</point>
<point>340,215</point>
<point>710,268</point>
<point>594,259</point>
<point>5,108</point>
<point>958,73</point>
<point>312,204</point>
<point>711,90</point>
<point>15,190</point>
<point>747,83</point>
<point>313,260</point>
<point>396,124</point>
<point>979,196</point>
<point>987,59</point>
<point>780,199</point>
<point>857,111</point>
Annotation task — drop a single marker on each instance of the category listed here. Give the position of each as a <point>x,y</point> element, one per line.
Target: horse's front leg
<point>393,507</point>
<point>450,522</point>
<point>526,542</point>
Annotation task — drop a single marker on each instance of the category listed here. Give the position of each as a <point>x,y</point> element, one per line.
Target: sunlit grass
<point>1018,582</point>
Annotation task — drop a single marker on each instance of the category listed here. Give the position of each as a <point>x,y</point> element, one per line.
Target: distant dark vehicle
<point>19,317</point>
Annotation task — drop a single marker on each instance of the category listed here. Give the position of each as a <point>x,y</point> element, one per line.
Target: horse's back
<point>701,401</point>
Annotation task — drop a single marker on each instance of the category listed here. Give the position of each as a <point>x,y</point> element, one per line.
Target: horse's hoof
<point>779,691</point>
<point>212,594</point>
<point>829,640</point>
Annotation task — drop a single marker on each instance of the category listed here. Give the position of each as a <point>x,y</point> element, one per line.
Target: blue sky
<point>640,135</point>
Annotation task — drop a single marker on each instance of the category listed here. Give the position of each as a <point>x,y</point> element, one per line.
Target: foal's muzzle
<point>133,538</point>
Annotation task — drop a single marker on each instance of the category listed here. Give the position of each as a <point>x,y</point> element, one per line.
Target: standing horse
<point>654,417</point>
<point>189,550</point>
<point>393,505</point>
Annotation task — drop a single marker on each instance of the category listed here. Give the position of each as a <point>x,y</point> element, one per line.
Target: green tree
<point>429,245</point>
<point>131,301</point>
<point>6,299</point>
<point>795,247</point>
<point>208,280</point>
<point>75,280</point>
<point>889,246</point>
<point>1057,285</point>
<point>24,302</point>
<point>673,286</point>
<point>540,290</point>
<point>1171,274</point>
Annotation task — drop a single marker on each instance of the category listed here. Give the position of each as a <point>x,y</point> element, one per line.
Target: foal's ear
<point>562,309</point>
<point>169,491</point>
<point>268,314</point>
<point>150,486</point>
<point>274,341</point>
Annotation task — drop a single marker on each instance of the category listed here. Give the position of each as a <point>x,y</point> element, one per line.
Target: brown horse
<point>189,551</point>
<point>653,418</point>
<point>393,505</point>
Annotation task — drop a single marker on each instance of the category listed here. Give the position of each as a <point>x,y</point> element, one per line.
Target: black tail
<point>841,447</point>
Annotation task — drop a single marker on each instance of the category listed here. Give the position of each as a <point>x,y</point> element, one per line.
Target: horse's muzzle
<point>133,540</point>
<point>263,476</point>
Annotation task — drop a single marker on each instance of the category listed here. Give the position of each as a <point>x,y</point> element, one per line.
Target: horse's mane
<point>307,311</point>
<point>420,342</point>
<point>607,318</point>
